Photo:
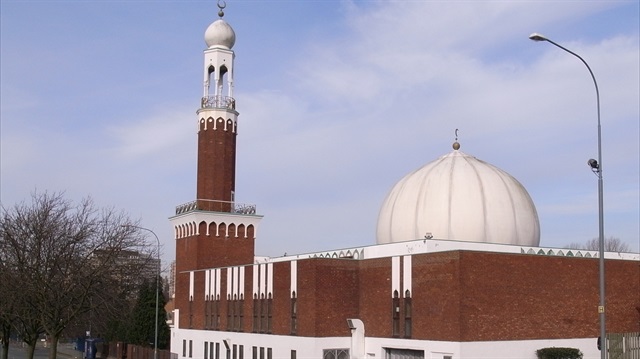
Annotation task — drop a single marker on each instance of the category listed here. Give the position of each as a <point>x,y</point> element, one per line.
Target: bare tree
<point>65,258</point>
<point>611,244</point>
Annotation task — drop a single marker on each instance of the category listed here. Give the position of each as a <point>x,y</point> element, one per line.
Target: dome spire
<point>221,5</point>
<point>456,145</point>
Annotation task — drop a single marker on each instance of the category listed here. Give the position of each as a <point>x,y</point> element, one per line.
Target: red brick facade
<point>216,160</point>
<point>456,296</point>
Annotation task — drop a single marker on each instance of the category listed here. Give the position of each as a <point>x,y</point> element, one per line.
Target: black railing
<point>218,102</point>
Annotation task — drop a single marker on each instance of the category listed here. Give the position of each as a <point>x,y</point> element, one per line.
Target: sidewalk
<point>65,350</point>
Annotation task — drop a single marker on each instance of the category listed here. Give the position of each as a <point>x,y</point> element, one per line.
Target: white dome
<point>220,34</point>
<point>458,197</point>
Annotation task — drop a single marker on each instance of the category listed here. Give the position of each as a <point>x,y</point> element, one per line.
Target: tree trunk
<point>5,349</point>
<point>53,349</point>
<point>5,338</point>
<point>31,350</point>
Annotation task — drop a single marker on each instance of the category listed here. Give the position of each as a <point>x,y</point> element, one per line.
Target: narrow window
<point>263,315</point>
<point>206,350</point>
<point>241,352</point>
<point>294,314</point>
<point>396,315</point>
<point>255,352</point>
<point>236,315</point>
<point>184,347</point>
<point>229,314</point>
<point>241,314</point>
<point>235,351</point>
<point>407,314</point>
<point>206,314</point>
<point>190,314</point>
<point>190,348</point>
<point>256,314</point>
<point>211,346</point>
<point>294,355</point>
<point>269,353</point>
<point>217,350</point>
<point>261,352</point>
<point>216,319</point>
<point>269,313</point>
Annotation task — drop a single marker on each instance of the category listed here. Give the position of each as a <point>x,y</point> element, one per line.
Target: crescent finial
<point>221,5</point>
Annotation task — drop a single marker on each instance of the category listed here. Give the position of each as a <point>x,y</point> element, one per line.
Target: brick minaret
<point>213,231</point>
<point>217,121</point>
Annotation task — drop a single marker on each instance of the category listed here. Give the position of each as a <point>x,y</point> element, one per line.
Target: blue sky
<point>338,100</point>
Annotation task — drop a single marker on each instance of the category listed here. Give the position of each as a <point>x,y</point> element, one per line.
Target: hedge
<point>559,353</point>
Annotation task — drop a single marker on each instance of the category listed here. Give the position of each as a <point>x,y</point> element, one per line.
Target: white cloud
<point>166,131</point>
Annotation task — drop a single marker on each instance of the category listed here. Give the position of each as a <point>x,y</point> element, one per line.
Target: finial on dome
<point>221,5</point>
<point>456,145</point>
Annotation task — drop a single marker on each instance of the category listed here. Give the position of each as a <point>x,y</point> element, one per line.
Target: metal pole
<point>155,343</point>
<point>598,170</point>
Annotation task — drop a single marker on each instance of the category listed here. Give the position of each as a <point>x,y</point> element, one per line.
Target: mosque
<point>457,270</point>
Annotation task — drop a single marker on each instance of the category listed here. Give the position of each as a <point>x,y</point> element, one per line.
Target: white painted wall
<point>525,349</point>
<point>308,348</point>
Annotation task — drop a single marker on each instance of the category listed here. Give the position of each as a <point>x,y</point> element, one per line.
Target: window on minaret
<point>190,314</point>
<point>294,314</point>
<point>407,314</point>
<point>396,315</point>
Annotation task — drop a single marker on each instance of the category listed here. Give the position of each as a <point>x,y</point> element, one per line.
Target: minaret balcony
<point>223,102</point>
<point>216,206</point>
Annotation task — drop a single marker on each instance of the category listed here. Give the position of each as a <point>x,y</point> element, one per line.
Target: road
<point>65,351</point>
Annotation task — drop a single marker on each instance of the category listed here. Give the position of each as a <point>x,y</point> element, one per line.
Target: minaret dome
<point>220,34</point>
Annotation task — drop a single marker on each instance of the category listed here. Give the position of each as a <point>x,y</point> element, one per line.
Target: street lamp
<point>596,167</point>
<point>155,343</point>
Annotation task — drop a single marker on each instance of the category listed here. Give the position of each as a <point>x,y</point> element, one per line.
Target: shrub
<point>559,353</point>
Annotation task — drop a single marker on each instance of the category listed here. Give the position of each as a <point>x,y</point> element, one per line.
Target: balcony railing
<point>219,102</point>
<point>216,206</point>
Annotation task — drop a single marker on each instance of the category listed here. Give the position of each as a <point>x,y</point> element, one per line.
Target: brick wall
<point>456,296</point>
<point>216,160</point>
<point>514,297</point>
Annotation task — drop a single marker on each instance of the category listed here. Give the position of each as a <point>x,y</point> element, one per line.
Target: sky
<point>338,100</point>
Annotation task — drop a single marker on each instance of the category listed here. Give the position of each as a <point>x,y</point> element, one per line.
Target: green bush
<point>559,353</point>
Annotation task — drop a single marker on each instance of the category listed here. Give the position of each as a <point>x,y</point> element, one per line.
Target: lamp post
<point>596,167</point>
<point>155,343</point>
